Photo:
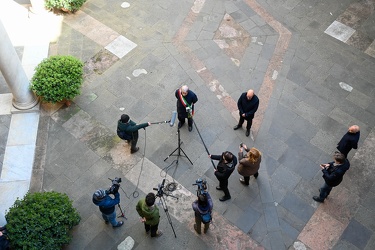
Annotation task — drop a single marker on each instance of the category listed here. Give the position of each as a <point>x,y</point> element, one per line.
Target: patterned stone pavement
<point>311,88</point>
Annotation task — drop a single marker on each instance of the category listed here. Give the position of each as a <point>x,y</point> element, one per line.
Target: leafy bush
<point>58,78</point>
<point>71,5</point>
<point>41,221</point>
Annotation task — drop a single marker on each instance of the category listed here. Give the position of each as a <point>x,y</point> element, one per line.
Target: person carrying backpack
<point>203,212</point>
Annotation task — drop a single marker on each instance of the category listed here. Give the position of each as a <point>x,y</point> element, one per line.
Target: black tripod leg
<point>186,156</point>
<point>122,213</point>
<point>167,213</point>
<point>171,154</point>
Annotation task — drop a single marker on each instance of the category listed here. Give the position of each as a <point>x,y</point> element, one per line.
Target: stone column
<point>14,74</point>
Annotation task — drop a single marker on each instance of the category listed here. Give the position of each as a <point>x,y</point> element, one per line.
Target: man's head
<point>124,118</point>
<point>227,156</point>
<point>99,194</point>
<point>353,129</point>
<point>184,90</point>
<point>150,199</point>
<point>338,157</point>
<point>250,94</point>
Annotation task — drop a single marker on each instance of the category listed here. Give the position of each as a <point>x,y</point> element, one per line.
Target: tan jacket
<point>245,167</point>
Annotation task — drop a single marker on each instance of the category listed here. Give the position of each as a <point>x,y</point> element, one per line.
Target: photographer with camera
<point>185,106</point>
<point>107,204</point>
<point>225,167</point>
<point>149,214</point>
<point>249,164</point>
<point>202,208</point>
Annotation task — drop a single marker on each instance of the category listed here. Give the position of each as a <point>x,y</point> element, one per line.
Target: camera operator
<point>107,204</point>
<point>225,167</point>
<point>202,208</point>
<point>149,214</point>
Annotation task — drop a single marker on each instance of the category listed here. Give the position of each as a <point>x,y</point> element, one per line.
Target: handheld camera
<point>113,189</point>
<point>202,186</point>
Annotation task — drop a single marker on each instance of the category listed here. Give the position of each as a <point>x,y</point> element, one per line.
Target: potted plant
<point>58,78</point>
<point>65,5</point>
<point>41,221</point>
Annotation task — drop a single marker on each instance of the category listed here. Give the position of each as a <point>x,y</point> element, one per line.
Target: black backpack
<point>124,135</point>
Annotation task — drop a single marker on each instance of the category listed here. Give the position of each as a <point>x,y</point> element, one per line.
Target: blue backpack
<point>206,218</point>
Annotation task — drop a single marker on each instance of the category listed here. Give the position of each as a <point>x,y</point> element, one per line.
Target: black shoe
<point>256,175</point>
<point>224,198</point>
<point>317,198</point>
<point>237,127</point>
<point>132,151</point>
<point>190,128</point>
<point>243,182</point>
<point>247,133</point>
<point>218,188</point>
<point>180,125</point>
<point>119,224</point>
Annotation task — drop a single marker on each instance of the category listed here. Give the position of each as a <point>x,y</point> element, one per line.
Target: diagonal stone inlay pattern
<point>232,38</point>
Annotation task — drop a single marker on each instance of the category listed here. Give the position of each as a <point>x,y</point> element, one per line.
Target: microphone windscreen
<point>173,118</point>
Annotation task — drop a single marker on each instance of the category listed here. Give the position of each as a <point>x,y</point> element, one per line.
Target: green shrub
<point>58,78</point>
<point>41,221</point>
<point>71,5</point>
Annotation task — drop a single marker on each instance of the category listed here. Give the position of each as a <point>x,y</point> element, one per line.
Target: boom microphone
<point>173,118</point>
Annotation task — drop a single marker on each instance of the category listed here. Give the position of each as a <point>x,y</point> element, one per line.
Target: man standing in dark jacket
<point>333,174</point>
<point>349,140</point>
<point>225,167</point>
<point>185,106</point>
<point>107,205</point>
<point>247,104</point>
<point>128,130</point>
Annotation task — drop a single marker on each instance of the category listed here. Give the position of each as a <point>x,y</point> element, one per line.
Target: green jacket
<point>150,213</point>
<point>130,126</point>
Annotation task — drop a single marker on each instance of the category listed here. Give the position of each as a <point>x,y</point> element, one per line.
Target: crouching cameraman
<point>107,204</point>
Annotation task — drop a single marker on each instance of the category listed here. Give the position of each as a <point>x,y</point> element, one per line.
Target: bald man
<point>247,104</point>
<point>349,140</point>
<point>185,106</point>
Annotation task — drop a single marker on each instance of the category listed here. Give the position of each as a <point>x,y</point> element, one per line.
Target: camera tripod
<point>179,149</point>
<point>122,213</point>
<point>160,194</point>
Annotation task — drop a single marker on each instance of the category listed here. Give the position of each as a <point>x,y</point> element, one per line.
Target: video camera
<point>113,189</point>
<point>160,189</point>
<point>202,186</point>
